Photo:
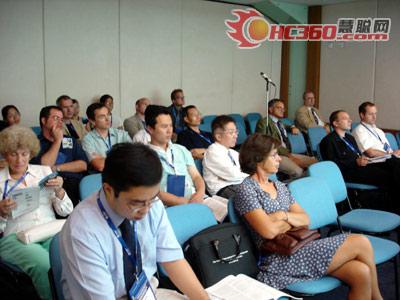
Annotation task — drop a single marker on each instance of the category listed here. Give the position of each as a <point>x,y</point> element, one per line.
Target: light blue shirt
<point>94,144</point>
<point>182,159</point>
<point>92,257</point>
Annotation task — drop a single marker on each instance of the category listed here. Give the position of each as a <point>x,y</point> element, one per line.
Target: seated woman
<point>17,145</point>
<point>11,115</point>
<point>269,209</point>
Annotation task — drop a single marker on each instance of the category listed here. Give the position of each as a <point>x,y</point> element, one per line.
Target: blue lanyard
<point>373,133</point>
<point>108,145</point>
<point>204,138</point>
<point>118,235</point>
<point>350,146</point>
<point>167,162</point>
<point>5,193</point>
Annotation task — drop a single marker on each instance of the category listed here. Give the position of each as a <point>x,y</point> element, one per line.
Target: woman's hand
<point>6,206</point>
<point>57,184</point>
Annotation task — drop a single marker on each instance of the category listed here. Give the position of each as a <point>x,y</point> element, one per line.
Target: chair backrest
<point>330,173</point>
<point>206,122</point>
<point>354,125</point>
<point>287,121</point>
<point>315,135</point>
<point>398,138</point>
<point>36,129</point>
<point>392,141</point>
<point>232,215</point>
<point>189,219</point>
<point>314,196</point>
<point>56,266</point>
<point>205,127</point>
<point>241,127</point>
<point>199,165</point>
<point>89,184</point>
<point>297,143</point>
<point>252,119</point>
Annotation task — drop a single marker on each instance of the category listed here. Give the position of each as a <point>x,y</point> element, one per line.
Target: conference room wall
<point>128,49</point>
<point>353,72</point>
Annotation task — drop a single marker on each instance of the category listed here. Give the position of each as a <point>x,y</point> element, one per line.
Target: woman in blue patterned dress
<point>269,209</point>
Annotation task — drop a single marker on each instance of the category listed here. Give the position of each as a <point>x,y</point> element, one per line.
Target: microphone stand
<point>267,84</point>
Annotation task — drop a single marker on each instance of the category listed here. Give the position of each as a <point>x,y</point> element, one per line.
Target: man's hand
<point>198,153</point>
<point>396,152</point>
<point>57,133</point>
<point>362,161</point>
<point>6,206</point>
<point>294,130</point>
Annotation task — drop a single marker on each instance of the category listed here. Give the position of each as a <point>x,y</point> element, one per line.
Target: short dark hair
<point>254,150</point>
<point>5,109</point>
<point>152,112</point>
<point>130,165</point>
<point>45,112</point>
<point>362,109</point>
<point>174,92</point>
<point>186,109</point>
<point>90,111</point>
<point>307,92</point>
<point>334,116</point>
<point>103,98</point>
<point>272,102</point>
<point>61,98</point>
<point>74,101</point>
<point>220,122</point>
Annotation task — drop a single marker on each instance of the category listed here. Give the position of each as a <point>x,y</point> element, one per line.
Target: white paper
<point>27,201</point>
<point>218,205</point>
<point>379,159</point>
<point>242,287</point>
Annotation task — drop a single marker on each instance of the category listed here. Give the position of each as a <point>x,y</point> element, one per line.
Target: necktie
<point>315,116</point>
<point>231,157</point>
<point>72,131</point>
<point>283,132</point>
<point>128,235</point>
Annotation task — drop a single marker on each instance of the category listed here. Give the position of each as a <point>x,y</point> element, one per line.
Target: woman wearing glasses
<point>18,145</point>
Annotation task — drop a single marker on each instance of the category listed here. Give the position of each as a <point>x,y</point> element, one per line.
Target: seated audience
<point>18,145</point>
<point>221,168</point>
<point>176,110</point>
<point>115,120</point>
<point>71,126</point>
<point>269,209</point>
<point>11,116</point>
<point>99,141</point>
<point>181,182</point>
<point>340,147</point>
<point>194,139</point>
<point>308,116</point>
<point>291,164</point>
<point>61,152</point>
<point>95,265</point>
<point>370,139</point>
<point>136,122</point>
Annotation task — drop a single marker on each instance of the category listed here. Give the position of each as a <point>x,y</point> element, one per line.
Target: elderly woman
<point>269,209</point>
<point>17,145</point>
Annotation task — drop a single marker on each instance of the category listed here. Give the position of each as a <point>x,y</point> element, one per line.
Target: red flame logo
<point>237,28</point>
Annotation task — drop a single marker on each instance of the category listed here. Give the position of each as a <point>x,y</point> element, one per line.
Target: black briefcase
<point>221,250</point>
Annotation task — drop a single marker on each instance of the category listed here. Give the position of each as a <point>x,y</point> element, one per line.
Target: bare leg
<point>357,247</point>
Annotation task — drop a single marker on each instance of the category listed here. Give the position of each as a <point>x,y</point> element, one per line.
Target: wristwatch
<point>55,168</point>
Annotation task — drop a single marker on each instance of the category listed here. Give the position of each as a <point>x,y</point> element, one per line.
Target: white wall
<point>354,72</point>
<point>129,49</point>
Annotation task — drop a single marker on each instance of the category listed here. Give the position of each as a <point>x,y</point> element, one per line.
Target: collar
<point>115,218</point>
<point>161,149</point>
<point>110,131</point>
<point>274,119</point>
<point>192,131</point>
<point>222,146</point>
<point>369,125</point>
<point>31,172</point>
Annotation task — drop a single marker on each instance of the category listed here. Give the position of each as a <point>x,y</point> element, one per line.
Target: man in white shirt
<point>370,139</point>
<point>221,167</point>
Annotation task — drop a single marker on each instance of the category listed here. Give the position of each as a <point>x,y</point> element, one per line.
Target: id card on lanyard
<point>141,288</point>
<point>386,146</point>
<point>5,192</point>
<point>175,183</point>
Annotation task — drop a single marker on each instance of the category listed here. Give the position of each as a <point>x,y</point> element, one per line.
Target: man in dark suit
<point>176,110</point>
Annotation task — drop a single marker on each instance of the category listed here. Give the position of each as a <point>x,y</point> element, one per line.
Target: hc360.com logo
<point>250,29</point>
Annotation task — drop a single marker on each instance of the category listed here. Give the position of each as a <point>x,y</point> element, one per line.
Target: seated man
<point>370,139</point>
<point>100,140</point>
<point>194,139</point>
<point>62,153</point>
<point>101,262</point>
<point>221,168</point>
<point>71,126</point>
<point>308,116</point>
<point>291,164</point>
<point>176,111</point>
<point>340,147</point>
<point>136,122</point>
<point>181,182</point>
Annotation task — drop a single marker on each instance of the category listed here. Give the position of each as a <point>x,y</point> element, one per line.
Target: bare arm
<point>374,153</point>
<point>75,166</point>
<point>198,153</point>
<point>296,216</point>
<point>98,163</point>
<point>170,199</point>
<point>50,157</point>
<point>184,278</point>
<point>198,183</point>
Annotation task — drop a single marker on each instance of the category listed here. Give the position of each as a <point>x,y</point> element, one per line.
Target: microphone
<point>267,79</point>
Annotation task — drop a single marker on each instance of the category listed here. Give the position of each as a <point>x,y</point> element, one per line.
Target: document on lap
<point>379,159</point>
<point>27,201</point>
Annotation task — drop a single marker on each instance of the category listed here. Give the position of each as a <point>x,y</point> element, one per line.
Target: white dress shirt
<point>369,136</point>
<point>48,201</point>
<point>142,136</point>
<point>220,169</point>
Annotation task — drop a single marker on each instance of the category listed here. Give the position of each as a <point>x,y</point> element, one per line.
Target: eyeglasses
<point>56,118</point>
<point>142,204</point>
<point>231,132</point>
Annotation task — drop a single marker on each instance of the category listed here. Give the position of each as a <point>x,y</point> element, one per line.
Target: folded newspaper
<point>379,159</point>
<point>218,205</point>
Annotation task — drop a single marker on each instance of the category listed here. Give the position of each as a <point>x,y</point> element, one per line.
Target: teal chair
<point>354,125</point>
<point>297,143</point>
<point>362,220</point>
<point>206,123</point>
<point>392,141</point>
<point>398,138</point>
<point>287,121</point>
<point>89,184</point>
<point>315,136</point>
<point>252,119</point>
<point>199,165</point>
<point>55,268</point>
<point>241,127</point>
<point>36,129</point>
<point>316,199</point>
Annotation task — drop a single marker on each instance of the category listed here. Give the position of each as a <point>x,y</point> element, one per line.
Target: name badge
<point>67,143</point>
<point>386,147</point>
<point>141,289</point>
<point>176,185</point>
